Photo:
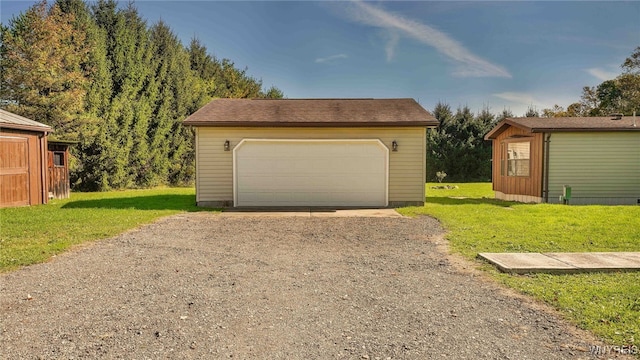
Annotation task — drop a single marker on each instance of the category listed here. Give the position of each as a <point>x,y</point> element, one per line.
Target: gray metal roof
<point>12,121</point>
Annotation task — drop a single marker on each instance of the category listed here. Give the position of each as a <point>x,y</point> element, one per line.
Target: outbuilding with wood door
<point>574,160</point>
<point>23,161</point>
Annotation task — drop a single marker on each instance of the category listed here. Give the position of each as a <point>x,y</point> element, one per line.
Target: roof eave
<point>309,124</point>
<point>63,142</point>
<point>26,127</point>
<point>545,130</point>
<point>502,126</point>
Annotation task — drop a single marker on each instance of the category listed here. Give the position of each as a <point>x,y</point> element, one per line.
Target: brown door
<point>14,171</point>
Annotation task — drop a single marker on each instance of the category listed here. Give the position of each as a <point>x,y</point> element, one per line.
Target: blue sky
<point>497,54</point>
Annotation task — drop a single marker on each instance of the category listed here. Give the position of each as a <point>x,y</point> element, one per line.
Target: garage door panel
<point>292,199</point>
<point>292,166</point>
<point>310,173</point>
<point>301,184</point>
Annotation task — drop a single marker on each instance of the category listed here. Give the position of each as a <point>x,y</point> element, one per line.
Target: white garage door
<point>310,173</point>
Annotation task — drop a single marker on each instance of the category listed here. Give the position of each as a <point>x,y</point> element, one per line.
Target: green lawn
<point>33,234</point>
<point>607,304</point>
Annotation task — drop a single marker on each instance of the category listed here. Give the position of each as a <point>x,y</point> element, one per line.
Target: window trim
<point>61,153</point>
<point>504,161</point>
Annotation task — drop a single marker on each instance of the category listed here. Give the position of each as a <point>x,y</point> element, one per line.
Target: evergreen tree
<point>506,113</point>
<point>457,145</point>
<point>234,83</point>
<point>532,112</point>
<point>205,69</point>
<point>459,157</point>
<point>91,170</point>
<point>178,93</point>
<point>129,52</point>
<point>437,157</point>
<point>480,168</point>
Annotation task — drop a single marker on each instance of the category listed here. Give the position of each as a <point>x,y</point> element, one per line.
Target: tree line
<point>457,146</point>
<point>101,76</point>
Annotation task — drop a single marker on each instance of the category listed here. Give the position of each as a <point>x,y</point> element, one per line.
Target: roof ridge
<point>316,99</point>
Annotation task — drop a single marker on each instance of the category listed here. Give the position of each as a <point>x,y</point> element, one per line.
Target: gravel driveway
<point>204,286</point>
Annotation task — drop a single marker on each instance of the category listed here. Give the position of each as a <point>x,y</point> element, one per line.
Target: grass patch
<point>606,303</point>
<point>33,234</point>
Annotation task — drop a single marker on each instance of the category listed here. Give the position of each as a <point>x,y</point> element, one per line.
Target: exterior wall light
<point>227,145</point>
<point>394,145</point>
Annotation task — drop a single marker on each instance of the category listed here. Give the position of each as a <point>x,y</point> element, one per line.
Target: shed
<point>23,159</point>
<point>597,157</point>
<point>58,168</point>
<point>310,152</point>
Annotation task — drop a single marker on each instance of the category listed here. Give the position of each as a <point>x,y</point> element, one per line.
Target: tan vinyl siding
<point>215,166</point>
<point>601,168</point>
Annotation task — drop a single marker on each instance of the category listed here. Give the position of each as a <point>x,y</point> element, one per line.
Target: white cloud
<point>469,63</point>
<point>517,97</point>
<point>519,102</point>
<point>331,58</point>
<point>391,44</point>
<point>602,74</point>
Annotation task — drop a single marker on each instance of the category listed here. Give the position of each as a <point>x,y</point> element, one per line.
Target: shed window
<point>58,158</point>
<point>518,158</point>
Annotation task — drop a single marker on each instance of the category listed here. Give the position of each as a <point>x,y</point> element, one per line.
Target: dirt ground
<point>204,286</point>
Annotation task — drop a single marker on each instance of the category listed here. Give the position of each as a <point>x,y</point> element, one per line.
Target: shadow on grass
<point>468,201</point>
<point>151,202</point>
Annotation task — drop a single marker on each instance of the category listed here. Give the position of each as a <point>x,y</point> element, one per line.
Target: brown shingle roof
<point>12,121</point>
<point>566,124</point>
<point>312,112</point>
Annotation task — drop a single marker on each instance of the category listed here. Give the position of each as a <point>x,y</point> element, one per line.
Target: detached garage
<point>23,159</point>
<point>310,153</point>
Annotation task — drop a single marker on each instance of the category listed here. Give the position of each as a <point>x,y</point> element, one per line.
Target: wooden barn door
<point>57,161</point>
<point>14,171</point>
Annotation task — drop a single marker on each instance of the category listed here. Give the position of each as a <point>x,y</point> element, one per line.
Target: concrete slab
<point>522,263</point>
<point>600,261</point>
<point>265,213</point>
<point>555,263</point>
<point>357,213</point>
<point>313,213</point>
<point>632,256</point>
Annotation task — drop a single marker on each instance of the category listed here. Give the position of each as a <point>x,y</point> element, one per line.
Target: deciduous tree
<point>620,95</point>
<point>42,74</point>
